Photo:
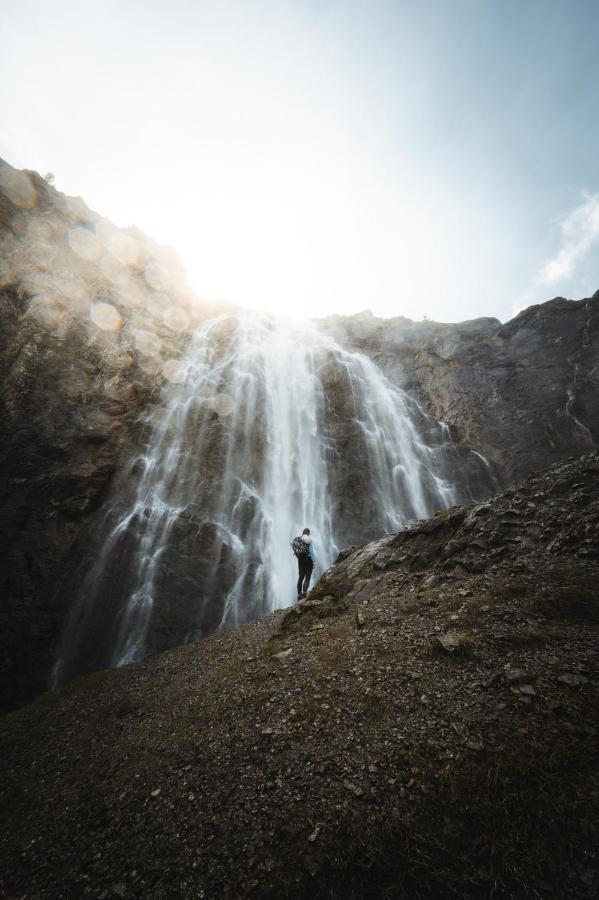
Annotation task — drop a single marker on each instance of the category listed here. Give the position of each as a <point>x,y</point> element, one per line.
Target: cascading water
<point>272,427</point>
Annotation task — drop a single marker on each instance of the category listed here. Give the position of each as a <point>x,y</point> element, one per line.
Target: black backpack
<point>300,548</point>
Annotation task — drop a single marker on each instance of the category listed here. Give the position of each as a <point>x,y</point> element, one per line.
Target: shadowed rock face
<point>63,435</point>
<point>71,397</point>
<point>524,394</point>
<point>74,401</point>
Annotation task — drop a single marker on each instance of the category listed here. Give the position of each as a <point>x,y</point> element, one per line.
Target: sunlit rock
<point>17,187</point>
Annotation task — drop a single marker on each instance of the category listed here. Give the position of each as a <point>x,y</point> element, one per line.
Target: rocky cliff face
<point>425,726</point>
<point>63,436</point>
<point>76,375</point>
<point>524,394</point>
<point>93,323</point>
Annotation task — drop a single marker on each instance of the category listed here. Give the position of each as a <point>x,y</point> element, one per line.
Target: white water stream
<point>253,441</point>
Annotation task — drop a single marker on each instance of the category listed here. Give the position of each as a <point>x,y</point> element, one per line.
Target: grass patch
<point>88,682</point>
<point>531,637</point>
<point>312,615</point>
<point>118,709</point>
<point>329,655</point>
<point>570,593</point>
<point>49,697</point>
<point>385,652</point>
<point>515,586</point>
<point>375,709</point>
<point>78,686</point>
<point>307,711</point>
<point>566,593</point>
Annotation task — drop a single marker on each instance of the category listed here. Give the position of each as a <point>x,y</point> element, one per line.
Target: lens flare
<point>175,318</point>
<point>223,404</point>
<point>157,276</point>
<point>147,343</point>
<point>132,293</point>
<point>174,370</point>
<point>124,248</point>
<point>113,270</point>
<point>84,243</point>
<point>105,316</point>
<point>50,314</point>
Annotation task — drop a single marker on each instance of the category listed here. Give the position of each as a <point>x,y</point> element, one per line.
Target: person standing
<point>306,557</point>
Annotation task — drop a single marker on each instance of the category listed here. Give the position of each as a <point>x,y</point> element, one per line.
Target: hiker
<point>306,557</point>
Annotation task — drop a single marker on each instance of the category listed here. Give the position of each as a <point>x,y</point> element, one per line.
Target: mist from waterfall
<point>262,429</point>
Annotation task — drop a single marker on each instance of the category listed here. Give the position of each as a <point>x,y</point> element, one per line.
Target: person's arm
<point>311,551</point>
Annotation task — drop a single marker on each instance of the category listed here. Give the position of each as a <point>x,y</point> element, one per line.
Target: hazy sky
<point>417,157</point>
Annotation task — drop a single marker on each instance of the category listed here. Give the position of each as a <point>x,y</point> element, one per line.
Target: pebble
<point>452,640</point>
<point>572,679</point>
<point>517,676</point>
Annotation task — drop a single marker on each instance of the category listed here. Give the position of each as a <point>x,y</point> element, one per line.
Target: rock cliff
<point>93,322</point>
<point>525,394</point>
<point>77,372</point>
<point>425,726</point>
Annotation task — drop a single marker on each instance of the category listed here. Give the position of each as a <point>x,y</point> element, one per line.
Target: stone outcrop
<point>553,514</point>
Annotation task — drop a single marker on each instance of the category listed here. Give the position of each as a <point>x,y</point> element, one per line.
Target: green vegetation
<point>118,709</point>
<point>313,614</point>
<point>78,686</point>
<point>570,593</point>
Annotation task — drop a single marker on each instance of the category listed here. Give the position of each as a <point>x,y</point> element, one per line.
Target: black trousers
<point>305,567</point>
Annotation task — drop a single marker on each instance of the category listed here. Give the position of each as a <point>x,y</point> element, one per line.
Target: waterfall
<point>267,427</point>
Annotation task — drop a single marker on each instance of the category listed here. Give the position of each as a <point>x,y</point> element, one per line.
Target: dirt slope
<point>426,727</point>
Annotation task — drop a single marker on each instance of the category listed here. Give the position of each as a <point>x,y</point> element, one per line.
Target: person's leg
<point>307,576</point>
<point>300,579</point>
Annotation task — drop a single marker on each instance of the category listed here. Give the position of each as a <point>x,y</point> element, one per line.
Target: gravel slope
<point>426,726</point>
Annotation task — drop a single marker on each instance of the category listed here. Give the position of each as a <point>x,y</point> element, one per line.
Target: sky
<point>433,159</point>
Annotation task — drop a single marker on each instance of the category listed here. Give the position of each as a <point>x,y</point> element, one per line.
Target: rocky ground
<point>425,726</point>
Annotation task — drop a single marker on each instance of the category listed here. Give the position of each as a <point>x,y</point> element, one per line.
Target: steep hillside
<point>425,726</point>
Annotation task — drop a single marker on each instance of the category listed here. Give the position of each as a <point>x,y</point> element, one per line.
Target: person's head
<point>306,531</point>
